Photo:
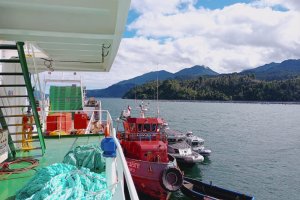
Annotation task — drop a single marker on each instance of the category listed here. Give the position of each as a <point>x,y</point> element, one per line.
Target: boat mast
<point>143,109</point>
<point>157,104</point>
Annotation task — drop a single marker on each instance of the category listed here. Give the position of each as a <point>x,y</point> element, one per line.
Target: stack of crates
<point>65,98</point>
<point>59,121</point>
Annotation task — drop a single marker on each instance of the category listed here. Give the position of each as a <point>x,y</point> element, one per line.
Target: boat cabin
<point>143,129</point>
<point>195,141</point>
<point>182,149</point>
<point>174,136</point>
<point>142,139</point>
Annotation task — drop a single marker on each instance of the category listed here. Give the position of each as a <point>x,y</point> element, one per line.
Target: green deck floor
<point>55,152</point>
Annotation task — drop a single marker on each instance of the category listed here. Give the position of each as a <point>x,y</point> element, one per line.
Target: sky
<point>225,35</point>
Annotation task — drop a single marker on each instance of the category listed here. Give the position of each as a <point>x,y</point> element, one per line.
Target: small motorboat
<point>184,154</point>
<point>197,144</point>
<point>196,189</point>
<point>174,136</point>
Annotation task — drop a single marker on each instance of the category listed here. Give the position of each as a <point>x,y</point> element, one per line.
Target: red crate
<point>59,121</point>
<point>80,121</point>
<point>51,123</point>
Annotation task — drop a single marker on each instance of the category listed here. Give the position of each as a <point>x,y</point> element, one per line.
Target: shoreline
<point>211,101</point>
<point>219,101</point>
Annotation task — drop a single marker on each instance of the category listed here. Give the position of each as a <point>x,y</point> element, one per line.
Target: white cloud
<point>161,6</point>
<point>174,34</point>
<point>288,4</point>
<point>230,39</point>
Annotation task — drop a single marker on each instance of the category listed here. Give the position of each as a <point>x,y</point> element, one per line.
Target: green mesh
<point>65,98</point>
<point>89,156</point>
<point>63,181</point>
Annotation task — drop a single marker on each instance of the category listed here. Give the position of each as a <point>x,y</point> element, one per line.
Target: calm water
<point>256,147</point>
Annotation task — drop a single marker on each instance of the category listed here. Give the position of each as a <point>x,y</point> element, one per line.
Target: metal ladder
<point>30,95</point>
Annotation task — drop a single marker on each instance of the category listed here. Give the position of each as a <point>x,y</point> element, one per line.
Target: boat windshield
<point>147,127</point>
<point>154,127</point>
<point>132,127</point>
<point>140,127</point>
<point>195,143</point>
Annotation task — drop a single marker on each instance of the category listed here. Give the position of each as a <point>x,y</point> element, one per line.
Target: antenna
<point>157,104</point>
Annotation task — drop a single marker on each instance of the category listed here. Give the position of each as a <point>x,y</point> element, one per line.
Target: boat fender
<point>171,179</point>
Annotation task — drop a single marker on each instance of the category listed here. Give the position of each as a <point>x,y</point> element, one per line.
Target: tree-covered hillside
<point>225,87</point>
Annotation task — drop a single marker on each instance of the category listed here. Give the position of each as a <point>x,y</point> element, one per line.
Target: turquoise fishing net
<point>64,181</point>
<point>89,156</point>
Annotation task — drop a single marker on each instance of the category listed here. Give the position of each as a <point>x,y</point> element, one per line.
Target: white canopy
<point>74,35</point>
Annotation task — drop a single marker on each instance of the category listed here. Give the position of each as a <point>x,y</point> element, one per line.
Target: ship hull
<point>147,177</point>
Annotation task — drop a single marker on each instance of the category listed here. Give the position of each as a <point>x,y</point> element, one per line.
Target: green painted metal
<point>9,60</point>
<point>29,88</point>
<point>8,46</point>
<point>10,141</point>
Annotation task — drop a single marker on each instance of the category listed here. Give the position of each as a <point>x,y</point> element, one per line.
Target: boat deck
<point>55,152</point>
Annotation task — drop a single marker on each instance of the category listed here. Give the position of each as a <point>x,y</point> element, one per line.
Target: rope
<point>4,167</point>
<point>92,194</point>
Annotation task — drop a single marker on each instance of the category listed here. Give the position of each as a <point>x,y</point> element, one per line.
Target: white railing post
<point>88,128</point>
<point>125,169</point>
<point>110,171</point>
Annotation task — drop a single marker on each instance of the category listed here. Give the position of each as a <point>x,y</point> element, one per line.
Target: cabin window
<point>159,126</point>
<point>153,128</point>
<point>194,143</point>
<point>132,127</point>
<point>171,140</point>
<point>176,150</point>
<point>146,127</point>
<point>140,127</point>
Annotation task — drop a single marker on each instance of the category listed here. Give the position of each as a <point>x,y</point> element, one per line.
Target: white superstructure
<point>76,35</point>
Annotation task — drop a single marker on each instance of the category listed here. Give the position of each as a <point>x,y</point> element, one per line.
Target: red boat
<point>154,172</point>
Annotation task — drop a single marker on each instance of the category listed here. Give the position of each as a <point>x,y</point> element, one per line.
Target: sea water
<point>255,147</point>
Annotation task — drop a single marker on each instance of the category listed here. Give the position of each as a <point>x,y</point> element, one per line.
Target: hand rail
<point>88,128</point>
<point>31,98</point>
<point>126,172</point>
<point>108,118</point>
<point>121,163</point>
<point>39,84</point>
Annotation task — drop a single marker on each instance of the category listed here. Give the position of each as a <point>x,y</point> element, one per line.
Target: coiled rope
<point>5,167</point>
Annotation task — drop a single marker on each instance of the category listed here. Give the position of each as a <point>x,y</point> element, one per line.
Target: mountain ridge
<point>272,71</point>
<point>120,88</point>
<point>276,71</point>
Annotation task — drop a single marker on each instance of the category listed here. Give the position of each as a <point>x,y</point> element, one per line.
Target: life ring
<point>171,179</point>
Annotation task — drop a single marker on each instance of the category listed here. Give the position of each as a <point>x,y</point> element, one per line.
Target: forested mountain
<point>224,87</point>
<point>287,69</point>
<point>119,89</point>
<point>115,91</point>
<point>276,71</point>
<point>195,71</point>
<point>139,80</point>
